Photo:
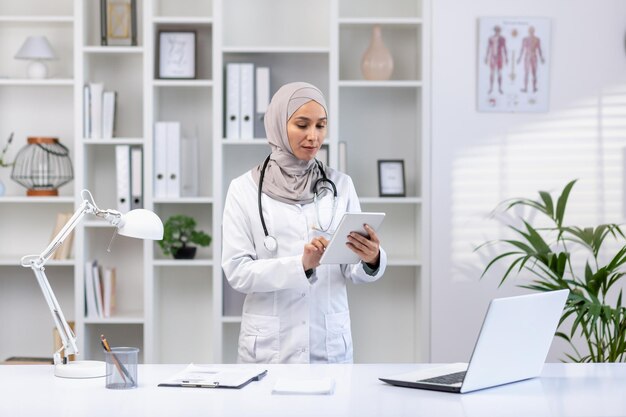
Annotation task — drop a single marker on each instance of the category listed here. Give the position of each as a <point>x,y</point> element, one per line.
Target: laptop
<point>512,346</point>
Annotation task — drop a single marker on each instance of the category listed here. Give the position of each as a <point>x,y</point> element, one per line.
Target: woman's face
<point>306,130</point>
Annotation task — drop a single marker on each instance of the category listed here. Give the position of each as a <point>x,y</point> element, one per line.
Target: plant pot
<point>187,252</point>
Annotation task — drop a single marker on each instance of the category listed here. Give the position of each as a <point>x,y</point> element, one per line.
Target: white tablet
<point>337,252</point>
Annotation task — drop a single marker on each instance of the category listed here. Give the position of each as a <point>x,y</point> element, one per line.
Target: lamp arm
<point>37,262</point>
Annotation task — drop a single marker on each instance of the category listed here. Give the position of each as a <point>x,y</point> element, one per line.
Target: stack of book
<point>99,290</point>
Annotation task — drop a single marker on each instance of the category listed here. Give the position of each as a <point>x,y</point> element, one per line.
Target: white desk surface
<point>562,390</point>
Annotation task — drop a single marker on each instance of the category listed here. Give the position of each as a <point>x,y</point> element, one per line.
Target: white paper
<point>202,375</point>
<point>320,386</point>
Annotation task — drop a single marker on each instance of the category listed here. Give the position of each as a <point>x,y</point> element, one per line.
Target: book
<point>320,386</point>
<point>91,310</point>
<point>108,291</point>
<point>64,251</point>
<point>97,286</point>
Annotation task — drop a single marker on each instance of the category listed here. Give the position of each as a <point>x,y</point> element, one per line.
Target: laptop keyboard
<point>448,379</point>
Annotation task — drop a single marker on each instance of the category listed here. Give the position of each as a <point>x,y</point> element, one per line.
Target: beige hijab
<point>287,178</point>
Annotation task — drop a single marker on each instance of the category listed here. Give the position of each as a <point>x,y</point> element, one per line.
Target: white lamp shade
<point>141,224</point>
<point>36,47</point>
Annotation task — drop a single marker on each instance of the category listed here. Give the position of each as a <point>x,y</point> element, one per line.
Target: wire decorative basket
<point>42,166</point>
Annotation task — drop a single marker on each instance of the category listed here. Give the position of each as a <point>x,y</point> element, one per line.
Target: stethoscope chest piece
<point>270,243</point>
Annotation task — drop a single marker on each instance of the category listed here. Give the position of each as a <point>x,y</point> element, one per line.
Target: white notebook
<point>320,386</point>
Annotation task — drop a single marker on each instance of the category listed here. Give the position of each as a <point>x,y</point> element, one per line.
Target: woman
<point>296,310</point>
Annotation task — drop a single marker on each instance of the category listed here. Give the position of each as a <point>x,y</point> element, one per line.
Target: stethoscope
<point>270,242</point>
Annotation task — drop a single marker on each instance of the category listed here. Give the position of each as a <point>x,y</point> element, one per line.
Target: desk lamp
<point>139,223</point>
<point>36,49</point>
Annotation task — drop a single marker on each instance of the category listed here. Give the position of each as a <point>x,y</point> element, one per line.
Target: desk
<point>562,390</point>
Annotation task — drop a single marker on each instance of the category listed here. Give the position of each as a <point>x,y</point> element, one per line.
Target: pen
<point>120,368</point>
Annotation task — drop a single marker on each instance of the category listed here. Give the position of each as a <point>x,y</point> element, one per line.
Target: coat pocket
<point>259,339</point>
<point>338,338</point>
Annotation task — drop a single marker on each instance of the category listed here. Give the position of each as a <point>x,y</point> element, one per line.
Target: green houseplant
<point>574,258</point>
<point>179,232</point>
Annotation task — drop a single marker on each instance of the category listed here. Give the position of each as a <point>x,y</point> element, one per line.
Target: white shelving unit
<point>183,311</point>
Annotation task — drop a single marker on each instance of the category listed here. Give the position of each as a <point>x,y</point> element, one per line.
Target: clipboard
<point>199,376</point>
<point>337,252</point>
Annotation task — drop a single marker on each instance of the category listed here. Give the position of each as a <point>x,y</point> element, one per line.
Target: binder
<point>96,110</point>
<point>122,167</point>
<point>108,114</point>
<point>86,112</point>
<point>246,104</point>
<point>199,376</point>
<point>342,157</point>
<point>160,159</point>
<point>189,167</point>
<point>136,177</point>
<point>262,90</point>
<point>232,101</point>
<point>173,159</point>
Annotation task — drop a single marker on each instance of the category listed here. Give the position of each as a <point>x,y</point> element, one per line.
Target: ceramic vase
<point>377,62</point>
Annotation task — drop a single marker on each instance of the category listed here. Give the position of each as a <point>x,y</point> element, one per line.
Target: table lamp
<point>36,49</point>
<point>139,223</point>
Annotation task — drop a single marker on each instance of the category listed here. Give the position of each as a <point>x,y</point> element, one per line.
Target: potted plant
<point>3,163</point>
<point>572,257</point>
<point>179,232</point>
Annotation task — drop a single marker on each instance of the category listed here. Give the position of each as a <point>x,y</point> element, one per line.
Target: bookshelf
<point>179,311</point>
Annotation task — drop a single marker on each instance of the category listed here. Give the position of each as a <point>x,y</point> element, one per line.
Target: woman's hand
<point>367,248</point>
<point>313,252</point>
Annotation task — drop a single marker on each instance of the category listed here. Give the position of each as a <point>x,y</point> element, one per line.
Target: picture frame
<point>391,182</point>
<point>514,60</point>
<point>176,54</point>
<point>118,22</point>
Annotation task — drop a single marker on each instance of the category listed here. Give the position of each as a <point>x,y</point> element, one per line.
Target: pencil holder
<point>121,363</point>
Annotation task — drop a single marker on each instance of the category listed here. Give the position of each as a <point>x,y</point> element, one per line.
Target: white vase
<point>377,62</point>
<point>2,188</point>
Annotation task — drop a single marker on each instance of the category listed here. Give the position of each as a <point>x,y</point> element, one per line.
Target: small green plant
<point>4,151</point>
<point>572,257</point>
<point>179,232</point>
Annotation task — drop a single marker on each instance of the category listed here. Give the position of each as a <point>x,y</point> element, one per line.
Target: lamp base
<point>80,369</point>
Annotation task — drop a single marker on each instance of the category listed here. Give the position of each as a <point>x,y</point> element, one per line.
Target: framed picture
<point>177,54</point>
<point>513,64</point>
<point>118,22</point>
<point>391,178</point>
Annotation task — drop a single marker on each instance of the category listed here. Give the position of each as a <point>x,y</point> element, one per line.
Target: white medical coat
<point>286,317</point>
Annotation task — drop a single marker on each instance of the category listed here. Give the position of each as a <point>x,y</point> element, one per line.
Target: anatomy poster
<point>513,64</point>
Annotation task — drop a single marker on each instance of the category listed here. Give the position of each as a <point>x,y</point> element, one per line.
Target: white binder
<point>160,159</point>
<point>86,112</point>
<point>122,166</point>
<point>173,159</point>
<point>96,109</point>
<point>108,114</point>
<point>232,101</point>
<point>189,167</point>
<point>136,177</point>
<point>247,101</point>
<point>262,87</point>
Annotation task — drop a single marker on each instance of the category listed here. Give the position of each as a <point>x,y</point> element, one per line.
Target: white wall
<point>479,159</point>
